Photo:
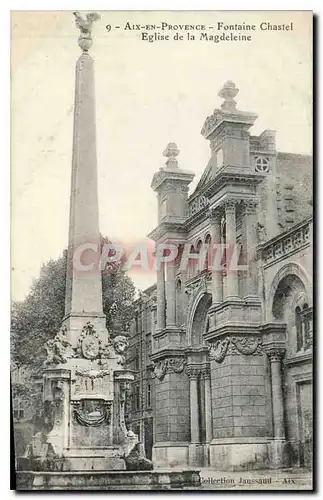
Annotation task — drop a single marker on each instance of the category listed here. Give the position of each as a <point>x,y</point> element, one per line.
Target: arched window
<point>307,326</point>
<point>191,263</point>
<point>208,259</point>
<point>299,329</point>
<point>198,251</point>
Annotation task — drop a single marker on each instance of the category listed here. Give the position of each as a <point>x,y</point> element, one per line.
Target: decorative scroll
<point>209,124</point>
<point>232,346</point>
<point>92,413</point>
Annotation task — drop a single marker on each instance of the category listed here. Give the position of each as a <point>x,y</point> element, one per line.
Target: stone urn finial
<point>84,24</point>
<point>171,152</point>
<point>228,92</point>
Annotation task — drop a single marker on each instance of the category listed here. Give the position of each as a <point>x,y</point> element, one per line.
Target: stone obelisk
<point>83,281</point>
<point>84,378</point>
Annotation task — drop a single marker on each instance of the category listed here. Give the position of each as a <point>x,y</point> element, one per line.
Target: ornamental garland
<point>175,365</point>
<point>234,346</point>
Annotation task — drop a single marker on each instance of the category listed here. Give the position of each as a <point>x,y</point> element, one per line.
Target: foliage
<point>37,319</point>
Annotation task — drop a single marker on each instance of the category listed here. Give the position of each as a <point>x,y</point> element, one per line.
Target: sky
<point>147,94</point>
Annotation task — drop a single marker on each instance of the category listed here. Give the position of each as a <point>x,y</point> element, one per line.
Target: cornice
<point>230,174</point>
<point>231,329</point>
<point>299,358</point>
<point>166,353</point>
<point>175,174</point>
<point>167,226</point>
<point>220,118</point>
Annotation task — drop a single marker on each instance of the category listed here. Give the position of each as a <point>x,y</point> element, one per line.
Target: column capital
<point>215,215</point>
<point>192,372</point>
<point>205,372</point>
<point>230,206</point>
<point>275,353</point>
<point>250,206</point>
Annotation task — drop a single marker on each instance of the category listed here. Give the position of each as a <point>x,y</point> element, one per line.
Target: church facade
<point>223,353</point>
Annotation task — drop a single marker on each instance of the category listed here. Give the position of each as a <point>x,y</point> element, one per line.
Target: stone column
<point>275,355</point>
<point>171,295</point>
<point>161,298</point>
<point>207,398</point>
<point>231,238</point>
<point>194,410</point>
<point>217,279</point>
<point>250,241</point>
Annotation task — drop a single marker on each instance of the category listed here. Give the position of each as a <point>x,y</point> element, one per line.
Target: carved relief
<point>232,346</point>
<point>247,345</point>
<point>160,369</point>
<point>168,365</point>
<point>88,344</point>
<point>219,350</point>
<point>120,344</point>
<point>92,413</point>
<point>197,204</point>
<point>106,351</point>
<point>288,243</point>
<point>91,382</point>
<point>176,364</point>
<point>59,349</point>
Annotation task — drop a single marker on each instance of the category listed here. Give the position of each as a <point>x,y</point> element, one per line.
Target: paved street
<point>286,479</point>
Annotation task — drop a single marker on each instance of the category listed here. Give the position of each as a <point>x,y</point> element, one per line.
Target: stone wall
<point>239,397</point>
<point>172,411</point>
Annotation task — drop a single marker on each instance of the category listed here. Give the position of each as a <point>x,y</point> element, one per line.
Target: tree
<point>37,319</point>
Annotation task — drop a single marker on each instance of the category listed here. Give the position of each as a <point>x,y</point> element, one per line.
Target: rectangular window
<point>148,396</point>
<point>137,397</point>
<point>137,359</point>
<point>18,408</point>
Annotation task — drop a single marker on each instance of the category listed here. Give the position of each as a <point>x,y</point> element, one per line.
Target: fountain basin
<point>159,479</point>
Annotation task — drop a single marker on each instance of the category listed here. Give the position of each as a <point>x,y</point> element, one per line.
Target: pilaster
<point>217,278</point>
<point>231,241</point>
